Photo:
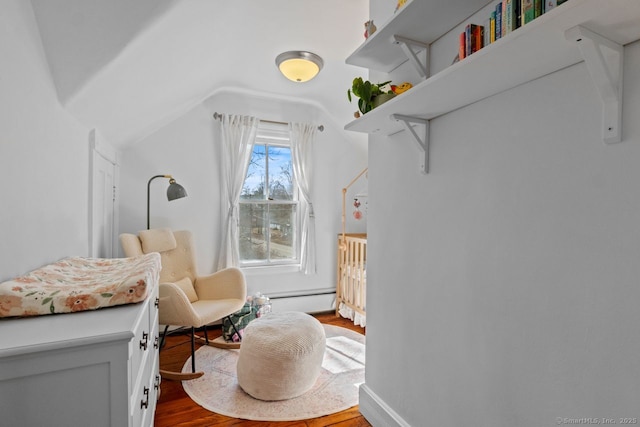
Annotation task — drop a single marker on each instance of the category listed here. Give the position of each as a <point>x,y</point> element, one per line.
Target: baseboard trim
<point>376,411</point>
<point>305,303</point>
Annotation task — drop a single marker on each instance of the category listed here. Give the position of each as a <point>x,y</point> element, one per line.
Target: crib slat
<point>351,272</point>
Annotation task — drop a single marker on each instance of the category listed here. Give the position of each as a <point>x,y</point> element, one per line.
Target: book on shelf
<point>511,16</point>
<point>537,8</point>
<point>467,40</point>
<point>492,27</point>
<point>499,20</point>
<point>503,20</point>
<point>478,32</point>
<point>473,38</point>
<point>550,4</point>
<point>527,12</point>
<point>486,33</point>
<point>507,18</point>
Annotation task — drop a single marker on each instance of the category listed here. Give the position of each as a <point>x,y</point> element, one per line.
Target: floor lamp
<point>174,191</point>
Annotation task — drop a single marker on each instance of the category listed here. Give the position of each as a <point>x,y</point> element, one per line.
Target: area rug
<point>335,390</point>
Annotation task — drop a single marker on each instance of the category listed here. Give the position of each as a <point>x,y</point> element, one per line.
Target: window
<point>269,202</point>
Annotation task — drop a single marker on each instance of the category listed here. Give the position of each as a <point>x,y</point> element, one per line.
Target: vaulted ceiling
<point>129,67</point>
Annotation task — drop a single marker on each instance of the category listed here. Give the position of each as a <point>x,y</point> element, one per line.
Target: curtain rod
<point>218,116</point>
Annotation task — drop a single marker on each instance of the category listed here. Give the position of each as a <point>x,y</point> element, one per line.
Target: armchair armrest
<point>228,283</point>
<point>174,306</point>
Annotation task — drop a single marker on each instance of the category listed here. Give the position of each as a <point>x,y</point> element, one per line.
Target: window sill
<point>270,269</point>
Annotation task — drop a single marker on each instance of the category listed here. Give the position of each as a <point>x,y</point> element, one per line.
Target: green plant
<point>366,91</point>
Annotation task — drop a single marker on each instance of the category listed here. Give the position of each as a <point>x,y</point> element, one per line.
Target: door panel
<point>103,217</point>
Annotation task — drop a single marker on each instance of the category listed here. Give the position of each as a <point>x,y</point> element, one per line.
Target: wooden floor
<point>175,407</point>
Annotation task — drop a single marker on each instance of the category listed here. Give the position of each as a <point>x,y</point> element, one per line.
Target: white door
<point>103,203</point>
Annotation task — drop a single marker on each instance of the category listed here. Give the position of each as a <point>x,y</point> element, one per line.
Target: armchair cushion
<point>157,240</point>
<point>187,287</point>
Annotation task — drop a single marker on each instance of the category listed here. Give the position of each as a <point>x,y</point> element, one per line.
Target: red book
<point>462,51</point>
<point>478,37</point>
<point>474,35</point>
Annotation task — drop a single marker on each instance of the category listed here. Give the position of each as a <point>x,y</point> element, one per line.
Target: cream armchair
<point>187,299</point>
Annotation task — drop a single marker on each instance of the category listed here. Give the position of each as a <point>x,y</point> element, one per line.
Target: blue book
<point>498,20</point>
<point>492,27</point>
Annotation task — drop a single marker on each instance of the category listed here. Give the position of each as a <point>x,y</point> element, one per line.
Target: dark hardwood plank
<point>176,409</point>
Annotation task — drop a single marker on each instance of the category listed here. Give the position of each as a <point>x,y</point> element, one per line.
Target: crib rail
<point>352,274</point>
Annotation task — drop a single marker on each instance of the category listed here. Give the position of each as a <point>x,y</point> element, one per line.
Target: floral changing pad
<point>78,284</point>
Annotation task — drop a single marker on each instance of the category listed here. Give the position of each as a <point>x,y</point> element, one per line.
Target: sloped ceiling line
<point>128,68</point>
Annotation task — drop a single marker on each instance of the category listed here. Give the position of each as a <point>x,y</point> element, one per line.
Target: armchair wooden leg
<point>164,334</point>
<point>180,376</point>
<point>220,341</point>
<point>193,349</point>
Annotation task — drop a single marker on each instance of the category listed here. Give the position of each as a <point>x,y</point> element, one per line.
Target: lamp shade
<point>299,66</point>
<point>175,190</point>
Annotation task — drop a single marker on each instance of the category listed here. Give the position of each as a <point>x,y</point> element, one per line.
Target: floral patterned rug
<point>335,390</point>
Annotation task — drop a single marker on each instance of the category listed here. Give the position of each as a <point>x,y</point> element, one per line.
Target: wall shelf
<point>530,52</point>
<point>419,20</point>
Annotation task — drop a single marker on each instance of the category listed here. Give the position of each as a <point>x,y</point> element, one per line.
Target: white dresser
<point>91,368</point>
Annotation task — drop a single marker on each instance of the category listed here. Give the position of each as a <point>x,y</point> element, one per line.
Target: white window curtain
<point>238,134</point>
<point>301,136</point>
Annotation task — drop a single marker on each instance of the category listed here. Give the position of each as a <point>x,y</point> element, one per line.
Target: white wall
<point>511,298</point>
<point>70,28</point>
<point>188,149</point>
<point>43,155</point>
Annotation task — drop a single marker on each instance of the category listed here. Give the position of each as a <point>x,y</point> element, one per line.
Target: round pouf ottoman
<point>281,355</point>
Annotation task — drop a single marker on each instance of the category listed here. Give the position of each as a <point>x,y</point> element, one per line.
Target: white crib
<point>351,288</point>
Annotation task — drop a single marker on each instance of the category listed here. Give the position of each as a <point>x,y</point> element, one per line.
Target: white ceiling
<point>129,67</point>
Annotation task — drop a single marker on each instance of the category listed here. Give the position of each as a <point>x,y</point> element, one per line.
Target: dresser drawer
<point>146,394</point>
<point>144,362</point>
<point>141,345</point>
<point>153,307</point>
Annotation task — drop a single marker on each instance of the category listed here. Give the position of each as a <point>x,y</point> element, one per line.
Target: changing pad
<point>78,284</point>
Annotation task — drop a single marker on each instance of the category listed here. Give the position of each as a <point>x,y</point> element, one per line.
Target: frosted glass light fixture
<point>299,66</point>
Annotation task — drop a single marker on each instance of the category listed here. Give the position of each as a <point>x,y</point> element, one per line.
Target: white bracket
<point>604,59</point>
<point>423,143</point>
<point>407,46</point>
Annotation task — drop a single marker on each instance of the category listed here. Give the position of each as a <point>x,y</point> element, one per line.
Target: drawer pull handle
<point>157,303</point>
<point>144,341</point>
<point>157,387</point>
<point>156,343</point>
<point>144,404</point>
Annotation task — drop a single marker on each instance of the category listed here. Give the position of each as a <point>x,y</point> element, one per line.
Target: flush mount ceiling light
<point>299,66</point>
